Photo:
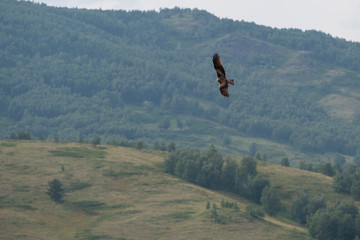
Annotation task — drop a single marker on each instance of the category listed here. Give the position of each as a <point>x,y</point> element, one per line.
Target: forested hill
<point>72,73</point>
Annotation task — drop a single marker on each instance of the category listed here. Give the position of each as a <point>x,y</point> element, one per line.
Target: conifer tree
<point>56,190</point>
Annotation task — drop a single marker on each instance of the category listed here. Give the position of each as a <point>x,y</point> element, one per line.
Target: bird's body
<point>221,76</point>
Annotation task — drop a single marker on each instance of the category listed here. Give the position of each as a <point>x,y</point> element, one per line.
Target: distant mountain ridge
<point>148,76</point>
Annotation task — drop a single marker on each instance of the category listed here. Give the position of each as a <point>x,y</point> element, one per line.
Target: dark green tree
<point>96,140</point>
<point>83,140</point>
<point>355,189</point>
<point>285,162</point>
<point>227,141</point>
<point>303,165</point>
<point>256,187</point>
<point>179,124</point>
<point>315,203</point>
<point>222,203</point>
<point>24,136</point>
<point>156,145</point>
<point>326,169</point>
<point>339,160</point>
<point>247,173</point>
<point>342,182</point>
<point>13,136</point>
<point>298,208</point>
<point>207,204</point>
<point>357,158</point>
<point>190,171</point>
<point>258,156</point>
<point>140,145</point>
<point>252,149</point>
<point>211,168</point>
<point>357,225</point>
<point>56,190</point>
<point>165,123</point>
<point>56,138</point>
<point>270,200</point>
<point>303,206</point>
<point>323,226</point>
<point>171,147</point>
<point>230,174</point>
<point>171,161</point>
<point>346,227</point>
<point>248,167</point>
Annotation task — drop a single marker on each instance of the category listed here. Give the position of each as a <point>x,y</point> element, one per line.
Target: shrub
<point>96,140</point>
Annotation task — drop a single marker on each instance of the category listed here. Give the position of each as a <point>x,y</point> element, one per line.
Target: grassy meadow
<point>122,193</point>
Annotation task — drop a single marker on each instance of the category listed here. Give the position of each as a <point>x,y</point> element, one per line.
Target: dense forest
<point>133,75</point>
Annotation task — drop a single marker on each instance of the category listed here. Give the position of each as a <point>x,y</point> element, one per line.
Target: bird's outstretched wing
<point>219,66</point>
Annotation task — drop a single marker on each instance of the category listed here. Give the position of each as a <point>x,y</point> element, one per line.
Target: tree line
<point>211,170</point>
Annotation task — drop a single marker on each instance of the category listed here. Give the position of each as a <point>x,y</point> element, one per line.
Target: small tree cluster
<point>229,204</point>
<point>171,147</point>
<point>306,166</point>
<point>21,136</point>
<point>219,215</point>
<point>212,171</point>
<point>126,143</point>
<point>159,146</point>
<point>202,169</point>
<point>261,158</point>
<point>214,215</point>
<point>254,212</point>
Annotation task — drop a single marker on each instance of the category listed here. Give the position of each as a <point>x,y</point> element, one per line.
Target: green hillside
<point>71,74</point>
<point>117,193</point>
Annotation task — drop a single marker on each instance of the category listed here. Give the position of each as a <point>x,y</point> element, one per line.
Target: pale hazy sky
<point>340,18</point>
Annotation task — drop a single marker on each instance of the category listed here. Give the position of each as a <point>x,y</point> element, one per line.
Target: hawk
<point>221,77</point>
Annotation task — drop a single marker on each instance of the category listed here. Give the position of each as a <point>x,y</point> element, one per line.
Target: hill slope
<point>114,193</point>
<point>72,73</point>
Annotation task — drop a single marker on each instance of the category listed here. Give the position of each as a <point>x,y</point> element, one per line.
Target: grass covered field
<point>122,193</point>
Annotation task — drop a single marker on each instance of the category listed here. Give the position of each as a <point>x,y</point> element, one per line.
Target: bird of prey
<point>221,77</point>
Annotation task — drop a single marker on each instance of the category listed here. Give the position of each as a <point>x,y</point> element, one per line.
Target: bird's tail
<point>231,81</point>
